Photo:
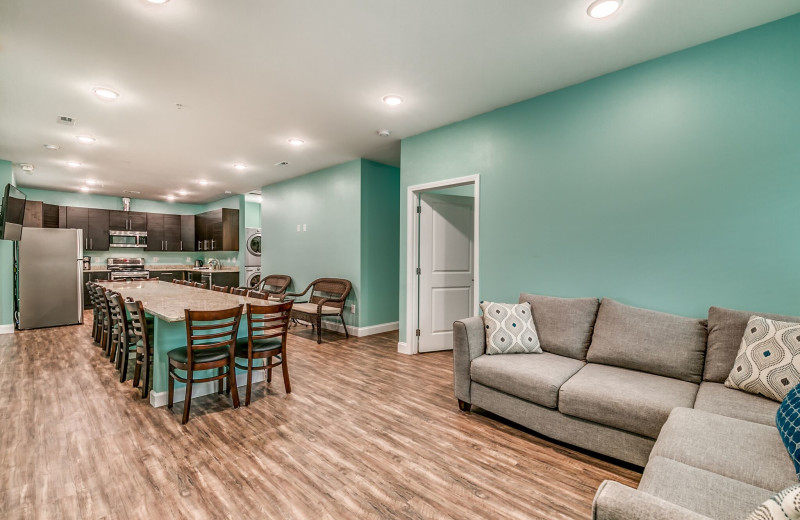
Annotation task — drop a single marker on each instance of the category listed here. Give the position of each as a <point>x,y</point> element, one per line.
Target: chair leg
<point>125,353</point>
<point>346,334</point>
<point>232,382</point>
<point>187,401</point>
<point>269,370</point>
<point>319,329</point>
<point>249,381</point>
<point>146,389</point>
<point>137,370</point>
<point>285,369</point>
<point>170,388</point>
<point>220,388</point>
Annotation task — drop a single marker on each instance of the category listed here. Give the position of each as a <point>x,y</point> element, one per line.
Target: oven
<point>121,269</point>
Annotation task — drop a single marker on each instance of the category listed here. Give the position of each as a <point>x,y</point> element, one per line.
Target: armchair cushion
<point>311,308</point>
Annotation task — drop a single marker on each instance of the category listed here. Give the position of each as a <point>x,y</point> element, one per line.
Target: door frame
<point>411,344</point>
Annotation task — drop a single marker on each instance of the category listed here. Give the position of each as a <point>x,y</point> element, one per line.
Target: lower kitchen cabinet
<point>208,278</point>
<point>167,276</point>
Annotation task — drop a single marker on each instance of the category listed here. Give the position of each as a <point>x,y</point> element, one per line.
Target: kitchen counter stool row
<point>121,328</point>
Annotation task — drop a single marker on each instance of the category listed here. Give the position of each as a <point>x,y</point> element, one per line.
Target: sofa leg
<point>464,406</point>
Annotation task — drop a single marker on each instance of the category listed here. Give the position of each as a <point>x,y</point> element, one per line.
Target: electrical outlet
<point>298,228</point>
<point>304,227</point>
<point>352,308</point>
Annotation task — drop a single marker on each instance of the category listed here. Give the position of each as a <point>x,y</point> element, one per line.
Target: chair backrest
<point>91,293</point>
<point>102,301</point>
<point>179,282</point>
<point>187,283</point>
<point>268,321</point>
<point>211,329</point>
<point>239,291</point>
<point>199,285</point>
<point>219,288</point>
<point>116,305</point>
<point>257,294</point>
<point>330,288</point>
<point>138,322</point>
<point>275,284</point>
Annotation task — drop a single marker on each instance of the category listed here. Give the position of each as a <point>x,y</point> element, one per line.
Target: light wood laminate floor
<point>366,433</point>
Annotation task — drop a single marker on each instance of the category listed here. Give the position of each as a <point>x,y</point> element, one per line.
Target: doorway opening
<point>442,261</point>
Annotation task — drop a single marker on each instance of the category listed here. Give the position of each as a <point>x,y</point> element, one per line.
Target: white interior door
<point>446,267</point>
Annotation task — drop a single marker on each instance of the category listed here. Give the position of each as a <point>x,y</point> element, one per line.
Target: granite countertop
<point>167,301</point>
<point>227,269</point>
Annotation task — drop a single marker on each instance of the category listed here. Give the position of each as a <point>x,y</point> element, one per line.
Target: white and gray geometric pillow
<point>768,361</point>
<point>509,328</point>
<point>785,505</point>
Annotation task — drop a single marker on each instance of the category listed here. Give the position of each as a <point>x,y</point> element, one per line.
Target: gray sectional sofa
<point>641,386</point>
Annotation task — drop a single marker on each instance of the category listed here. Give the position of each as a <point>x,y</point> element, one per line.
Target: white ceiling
<point>253,73</point>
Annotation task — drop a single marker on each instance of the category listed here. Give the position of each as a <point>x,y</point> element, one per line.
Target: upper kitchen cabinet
<point>218,230</point>
<point>188,227</point>
<point>164,233</point>
<point>127,221</point>
<point>41,215</point>
<point>94,223</point>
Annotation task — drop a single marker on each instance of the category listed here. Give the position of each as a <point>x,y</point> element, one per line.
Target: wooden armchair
<point>275,285</point>
<point>327,298</point>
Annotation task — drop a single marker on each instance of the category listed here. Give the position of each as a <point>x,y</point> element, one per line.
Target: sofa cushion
<point>632,401</point>
<point>533,378</point>
<point>648,341</point>
<point>701,491</point>
<point>784,505</point>
<point>509,329</point>
<point>787,420</point>
<point>768,362</point>
<point>725,331</point>
<point>564,325</point>
<point>749,452</point>
<point>719,399</point>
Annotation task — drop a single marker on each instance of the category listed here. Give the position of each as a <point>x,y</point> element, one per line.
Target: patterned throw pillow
<point>787,420</point>
<point>768,362</point>
<point>783,506</point>
<point>509,328</point>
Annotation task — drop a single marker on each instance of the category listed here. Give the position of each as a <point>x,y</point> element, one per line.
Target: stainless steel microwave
<point>127,238</point>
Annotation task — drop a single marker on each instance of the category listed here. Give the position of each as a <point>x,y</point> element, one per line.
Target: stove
<point>126,268</point>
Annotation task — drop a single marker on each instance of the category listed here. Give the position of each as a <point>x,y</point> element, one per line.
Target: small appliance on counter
<point>87,263</point>
<point>198,263</point>
<point>126,268</point>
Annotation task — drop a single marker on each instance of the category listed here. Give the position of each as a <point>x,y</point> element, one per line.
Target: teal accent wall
<point>327,201</point>
<point>6,258</point>
<point>672,185</point>
<point>380,239</point>
<point>252,214</point>
<point>351,217</point>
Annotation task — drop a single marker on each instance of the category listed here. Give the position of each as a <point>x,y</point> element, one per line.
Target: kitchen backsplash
<point>229,258</point>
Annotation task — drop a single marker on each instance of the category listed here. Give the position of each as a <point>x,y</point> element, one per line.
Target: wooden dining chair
<point>219,288</point>
<point>176,281</point>
<point>118,328</point>
<point>199,285</point>
<point>124,338</point>
<point>257,294</point>
<point>327,298</point>
<point>90,293</point>
<point>142,331</point>
<point>105,324</point>
<point>210,343</point>
<point>187,283</point>
<point>239,291</point>
<point>267,327</point>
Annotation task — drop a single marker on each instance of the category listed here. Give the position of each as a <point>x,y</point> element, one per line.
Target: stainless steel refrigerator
<point>50,277</point>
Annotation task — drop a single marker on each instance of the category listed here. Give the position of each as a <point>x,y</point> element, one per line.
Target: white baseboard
<point>158,399</point>
<point>7,329</point>
<point>403,348</point>
<point>360,331</point>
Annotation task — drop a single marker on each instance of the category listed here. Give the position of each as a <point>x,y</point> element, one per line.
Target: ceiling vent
<point>282,163</point>
<point>132,192</point>
<point>65,120</point>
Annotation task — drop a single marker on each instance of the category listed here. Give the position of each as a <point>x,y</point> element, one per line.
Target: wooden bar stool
<point>219,288</point>
<point>90,292</point>
<point>105,324</point>
<point>142,331</point>
<point>267,327</point>
<point>119,336</point>
<point>210,343</point>
<point>176,281</point>
<point>257,294</point>
<point>239,291</point>
<point>199,285</point>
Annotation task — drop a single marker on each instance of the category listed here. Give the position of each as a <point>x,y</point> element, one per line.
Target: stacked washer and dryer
<point>252,262</point>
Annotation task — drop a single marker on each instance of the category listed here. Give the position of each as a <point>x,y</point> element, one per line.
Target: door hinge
<point>419,209</point>
<point>417,332</point>
<point>419,271</point>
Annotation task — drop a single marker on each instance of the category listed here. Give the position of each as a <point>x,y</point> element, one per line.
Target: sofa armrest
<point>615,501</point>
<point>468,343</point>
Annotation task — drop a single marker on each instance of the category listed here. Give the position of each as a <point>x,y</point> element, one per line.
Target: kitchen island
<point>165,302</point>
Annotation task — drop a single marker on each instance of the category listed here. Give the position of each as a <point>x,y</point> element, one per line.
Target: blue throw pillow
<point>788,422</point>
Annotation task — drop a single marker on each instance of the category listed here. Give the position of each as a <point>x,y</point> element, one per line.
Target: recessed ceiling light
<point>239,166</point>
<point>85,139</point>
<point>393,99</point>
<point>182,192</point>
<point>52,147</point>
<point>170,197</point>
<point>73,164</point>
<point>91,182</point>
<point>603,8</point>
<point>202,182</point>
<point>26,167</point>
<point>158,1</point>
<point>106,94</point>
<point>295,141</point>
<point>84,188</point>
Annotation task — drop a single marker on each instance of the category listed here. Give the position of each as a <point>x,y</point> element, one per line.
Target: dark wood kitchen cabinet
<point>155,232</point>
<point>164,232</point>
<point>218,230</point>
<point>51,216</point>
<point>188,233</point>
<point>41,215</point>
<point>94,223</point>
<point>127,221</point>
